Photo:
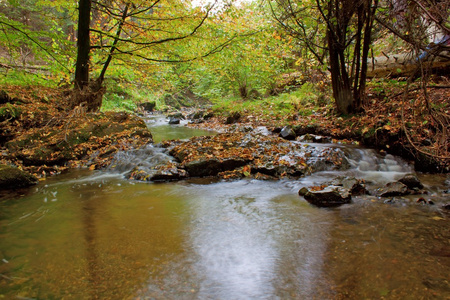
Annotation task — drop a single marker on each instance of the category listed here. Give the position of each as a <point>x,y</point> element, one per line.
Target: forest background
<point>282,60</point>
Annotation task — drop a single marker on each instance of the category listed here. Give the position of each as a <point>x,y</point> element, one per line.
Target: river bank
<point>391,122</point>
<point>42,137</point>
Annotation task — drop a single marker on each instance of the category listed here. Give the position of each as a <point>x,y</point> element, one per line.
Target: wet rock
<point>148,106</point>
<point>446,207</point>
<point>394,189</point>
<point>288,133</point>
<point>262,130</point>
<point>233,118</point>
<point>11,178</point>
<point>279,171</point>
<point>174,121</point>
<point>168,175</point>
<point>169,172</point>
<point>276,130</point>
<point>331,196</point>
<point>355,186</point>
<point>326,159</point>
<point>303,191</point>
<point>411,181</point>
<point>212,166</point>
<point>176,115</point>
<point>312,138</point>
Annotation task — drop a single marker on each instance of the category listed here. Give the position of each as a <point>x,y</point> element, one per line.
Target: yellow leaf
<point>436,218</point>
<point>92,167</point>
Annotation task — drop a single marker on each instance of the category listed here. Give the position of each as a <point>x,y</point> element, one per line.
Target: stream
<point>95,235</point>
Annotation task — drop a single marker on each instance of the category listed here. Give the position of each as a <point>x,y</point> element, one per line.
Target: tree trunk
<point>84,45</point>
<point>340,82</point>
<point>86,93</point>
<point>349,50</point>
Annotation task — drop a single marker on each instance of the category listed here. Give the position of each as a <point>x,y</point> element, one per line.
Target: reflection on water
<point>161,130</point>
<point>109,238</point>
<point>101,237</point>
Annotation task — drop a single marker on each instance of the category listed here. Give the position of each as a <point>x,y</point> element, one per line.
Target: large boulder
<point>212,166</point>
<point>12,178</point>
<point>84,140</point>
<point>330,196</point>
<point>394,189</point>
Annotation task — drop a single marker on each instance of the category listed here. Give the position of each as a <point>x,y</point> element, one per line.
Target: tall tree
<point>135,33</point>
<point>349,30</point>
<point>346,37</point>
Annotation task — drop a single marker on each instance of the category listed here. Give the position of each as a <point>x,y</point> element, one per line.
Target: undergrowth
<point>303,101</point>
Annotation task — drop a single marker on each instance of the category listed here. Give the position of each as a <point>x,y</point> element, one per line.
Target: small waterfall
<point>328,161</point>
<point>373,166</point>
<point>145,159</point>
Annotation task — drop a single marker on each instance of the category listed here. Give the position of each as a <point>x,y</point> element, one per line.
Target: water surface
<point>95,235</point>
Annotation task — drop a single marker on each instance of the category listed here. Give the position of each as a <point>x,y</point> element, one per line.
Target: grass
<point>303,101</point>
<point>22,78</point>
<point>122,96</point>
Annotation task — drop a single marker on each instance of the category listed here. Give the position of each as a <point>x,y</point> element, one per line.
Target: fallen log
<point>400,65</point>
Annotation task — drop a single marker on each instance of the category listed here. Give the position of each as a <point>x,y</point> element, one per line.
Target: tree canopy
<point>241,49</point>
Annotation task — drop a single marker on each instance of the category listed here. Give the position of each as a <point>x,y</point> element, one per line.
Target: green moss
<point>9,112</point>
<point>11,178</point>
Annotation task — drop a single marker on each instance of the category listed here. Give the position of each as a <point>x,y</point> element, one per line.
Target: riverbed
<point>95,235</point>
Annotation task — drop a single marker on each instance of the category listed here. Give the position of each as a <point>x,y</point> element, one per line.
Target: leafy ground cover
<point>40,135</point>
<point>393,121</point>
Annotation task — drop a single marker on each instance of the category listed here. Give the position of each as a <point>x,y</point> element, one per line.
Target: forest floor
<point>414,125</point>
<point>40,135</point>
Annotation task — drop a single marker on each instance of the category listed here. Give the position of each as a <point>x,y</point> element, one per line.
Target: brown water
<point>94,235</point>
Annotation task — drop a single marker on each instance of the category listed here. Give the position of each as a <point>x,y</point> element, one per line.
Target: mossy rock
<point>11,178</point>
<point>80,138</point>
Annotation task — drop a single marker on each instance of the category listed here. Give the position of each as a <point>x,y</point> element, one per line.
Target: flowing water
<point>95,235</point>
